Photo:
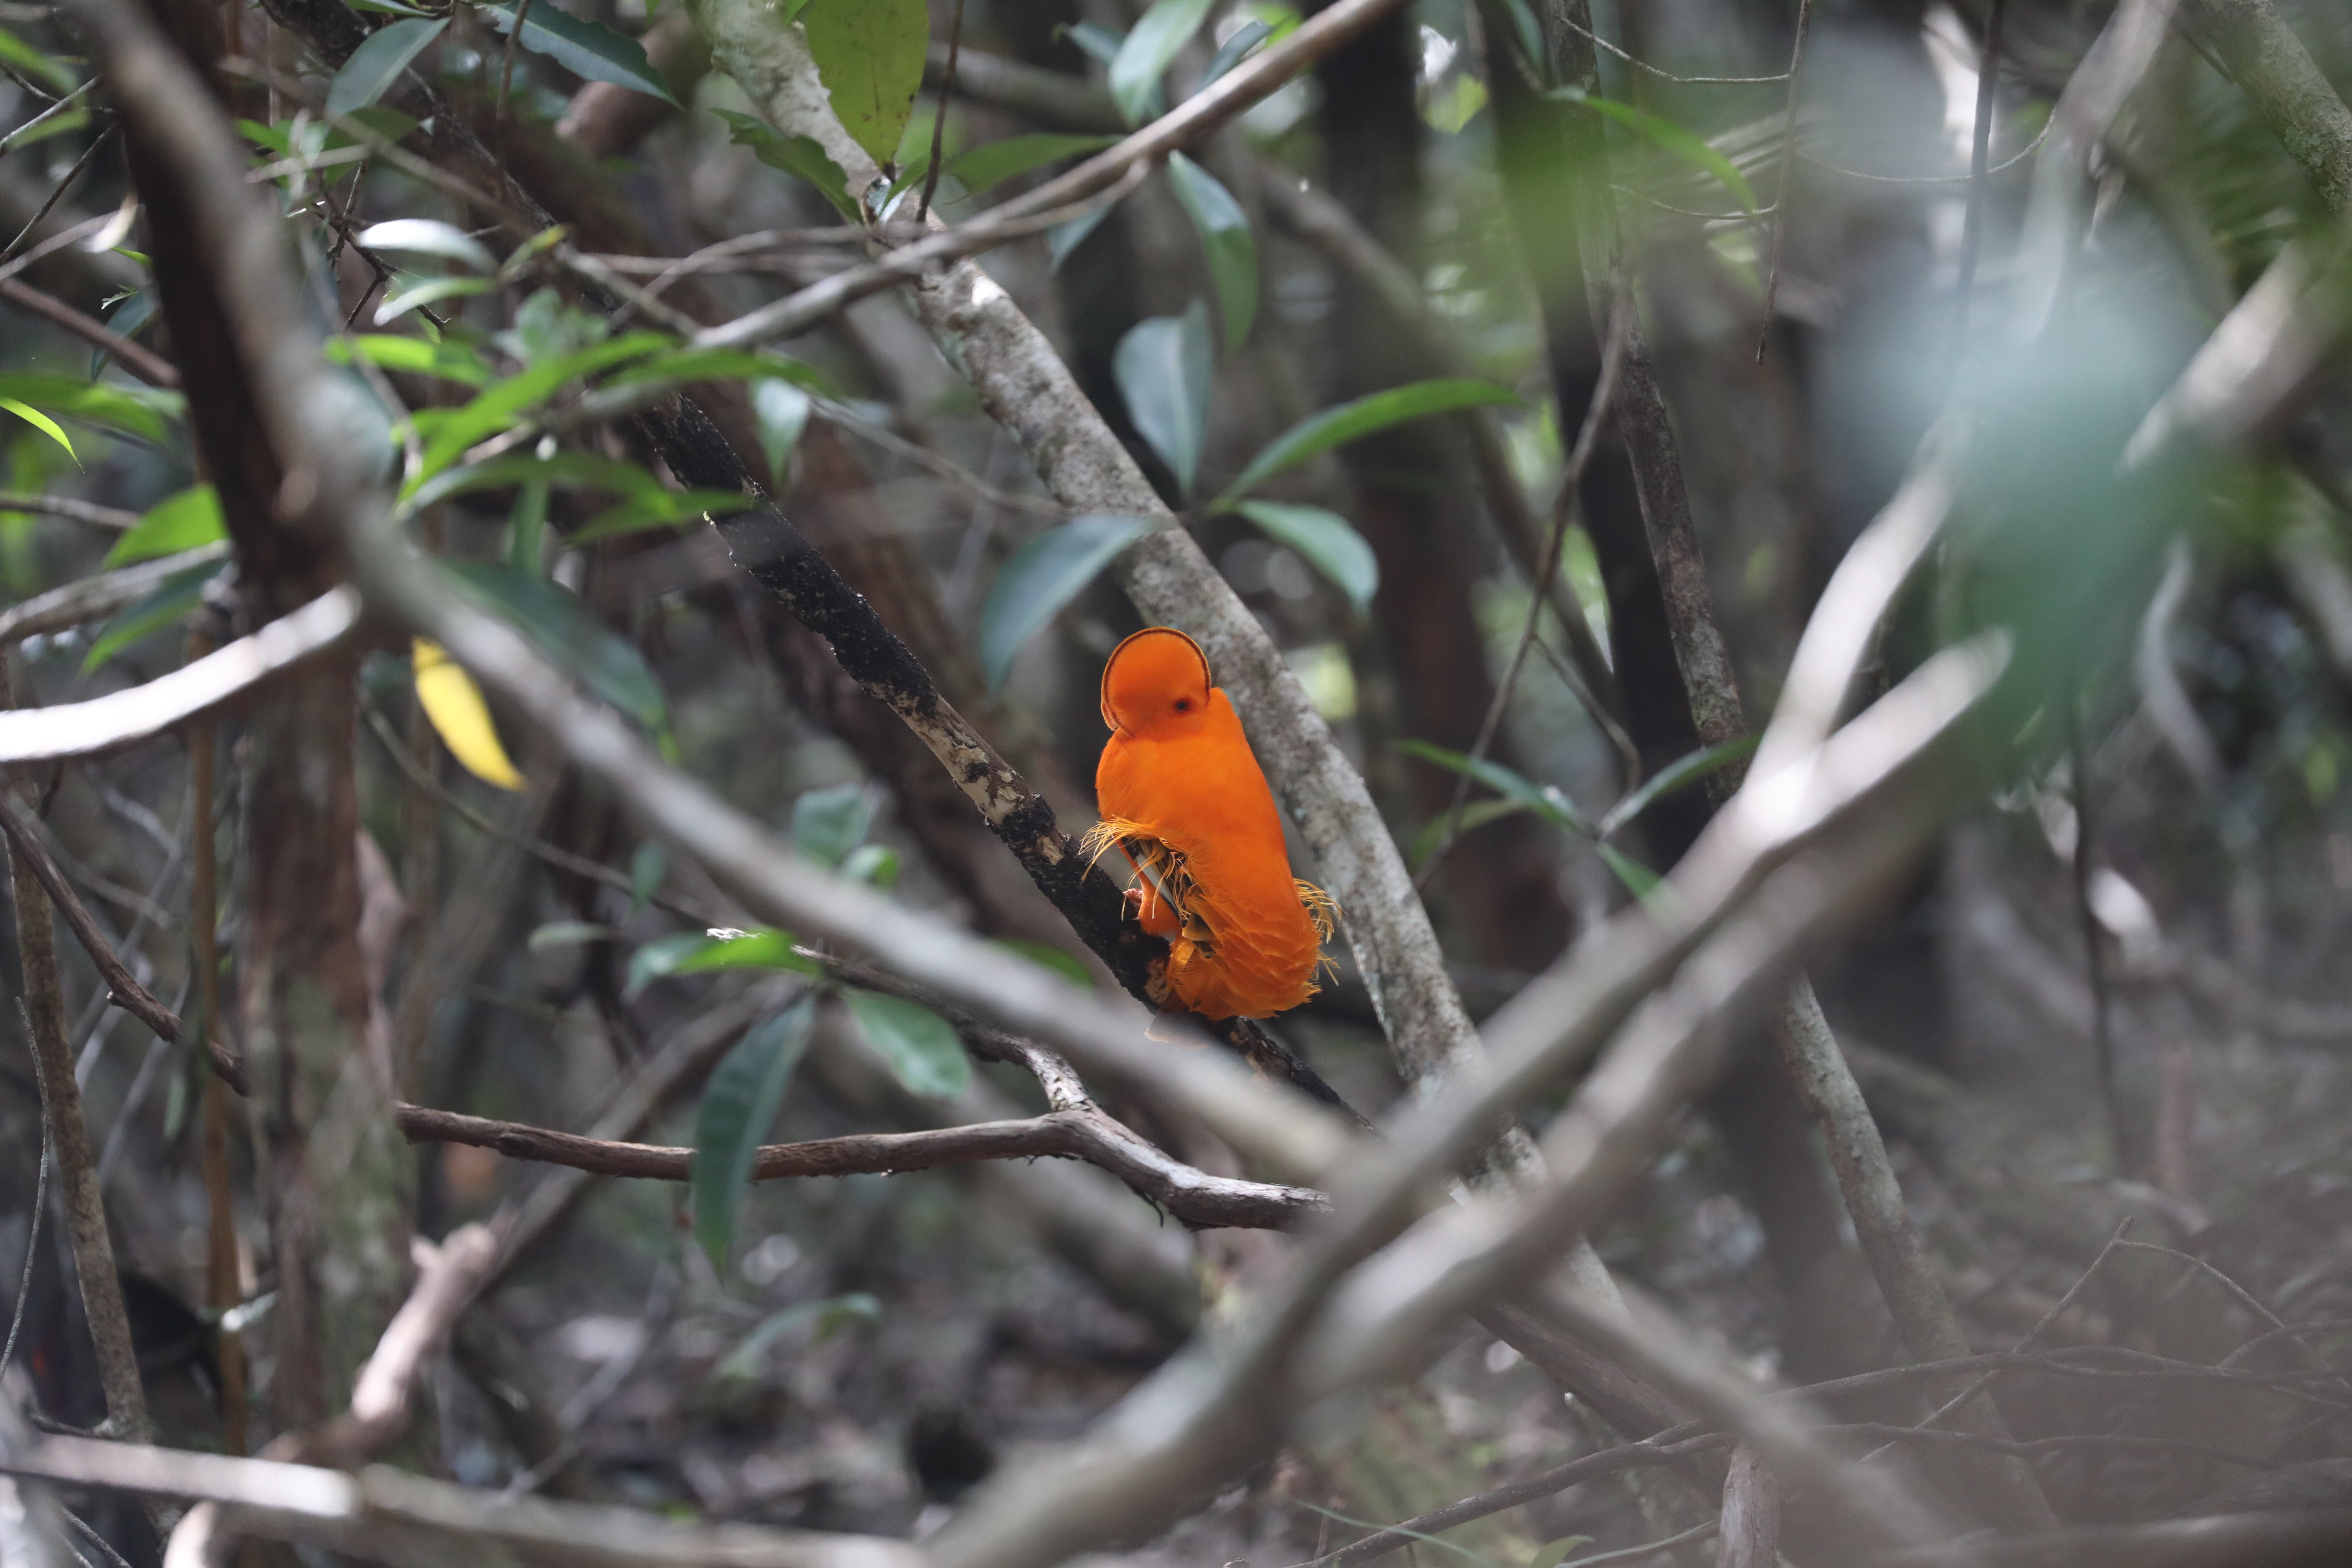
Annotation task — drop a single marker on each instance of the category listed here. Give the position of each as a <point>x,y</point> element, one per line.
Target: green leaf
<point>1544,800</point>
<point>446,360</point>
<point>565,470</point>
<point>684,365</point>
<point>1046,572</point>
<point>780,410</point>
<point>138,411</point>
<point>1150,46</point>
<point>565,629</point>
<point>738,1105</point>
<point>1063,238</point>
<point>588,51</point>
<point>1045,955</point>
<point>1225,234</point>
<point>1684,143</point>
<point>920,1047</point>
<point>648,867</point>
<point>828,822</point>
<point>41,422</point>
<point>377,63</point>
<point>32,62</point>
<point>1355,420</point>
<point>1639,879</point>
<point>1328,542</point>
<point>569,933</point>
<point>500,406</point>
<point>1476,814</point>
<point>178,522</point>
<point>869,54</point>
<point>802,156</point>
<point>1163,367</point>
<point>398,302</point>
<point>1235,49</point>
<point>662,508</point>
<point>1674,776</point>
<point>700,952</point>
<point>1099,43</point>
<point>876,865</point>
<point>829,1316</point>
<point>429,236</point>
<point>761,949</point>
<point>997,161</point>
<point>171,600</point>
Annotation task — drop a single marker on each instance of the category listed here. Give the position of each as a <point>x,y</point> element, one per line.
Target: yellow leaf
<point>454,703</point>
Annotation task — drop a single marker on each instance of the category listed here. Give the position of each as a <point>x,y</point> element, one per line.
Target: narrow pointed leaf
<point>43,423</point>
<point>1150,46</point>
<point>588,51</point>
<point>454,704</point>
<point>1329,542</point>
<point>828,822</point>
<point>171,600</point>
<point>1163,366</point>
<point>800,156</point>
<point>1674,776</point>
<point>377,63</point>
<point>1235,51</point>
<point>1225,235</point>
<point>564,628</point>
<point>996,162</point>
<point>1668,137</point>
<point>920,1047</point>
<point>1045,573</point>
<point>178,522</point>
<point>1544,800</point>
<point>1355,420</point>
<point>780,410</point>
<point>738,1105</point>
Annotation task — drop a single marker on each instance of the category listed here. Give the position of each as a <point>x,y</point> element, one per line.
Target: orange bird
<point>1182,797</point>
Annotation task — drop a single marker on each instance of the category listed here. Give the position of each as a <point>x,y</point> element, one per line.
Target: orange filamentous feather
<point>1182,796</point>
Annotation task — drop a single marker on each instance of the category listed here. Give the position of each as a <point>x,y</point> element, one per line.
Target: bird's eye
<point>1183,705</point>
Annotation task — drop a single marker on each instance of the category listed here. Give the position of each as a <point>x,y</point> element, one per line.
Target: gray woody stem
<point>2278,74</point>
<point>1027,388</point>
<point>1906,1275</point>
<point>93,1251</point>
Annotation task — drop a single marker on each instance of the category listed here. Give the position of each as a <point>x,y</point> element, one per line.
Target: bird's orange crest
<point>1182,796</point>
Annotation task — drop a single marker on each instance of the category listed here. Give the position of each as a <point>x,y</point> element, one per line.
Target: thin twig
<point>1563,512</point>
<point>58,194</point>
<point>1979,154</point>
<point>40,1206</point>
<point>1076,1132</point>
<point>2095,956</point>
<point>506,82</point>
<point>1641,65</point>
<point>123,986</point>
<point>939,118</point>
<point>8,143</point>
<point>137,358</point>
<point>1788,158</point>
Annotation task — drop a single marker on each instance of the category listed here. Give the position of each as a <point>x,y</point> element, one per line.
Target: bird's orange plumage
<point>1182,795</point>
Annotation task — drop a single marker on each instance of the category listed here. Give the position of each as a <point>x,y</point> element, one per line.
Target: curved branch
<point>86,599</point>
<point>1078,1133</point>
<point>122,987</point>
<point>102,723</point>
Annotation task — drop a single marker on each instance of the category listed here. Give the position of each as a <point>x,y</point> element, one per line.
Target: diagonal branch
<point>122,987</point>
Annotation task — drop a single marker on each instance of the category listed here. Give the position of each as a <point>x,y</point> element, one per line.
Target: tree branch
<point>122,987</point>
<point>121,718</point>
<point>87,599</point>
<point>2274,71</point>
<point>1074,1133</point>
<point>137,358</point>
